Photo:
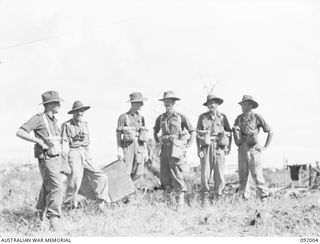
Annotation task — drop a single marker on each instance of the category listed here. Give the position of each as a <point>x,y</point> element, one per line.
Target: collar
<point>74,122</point>
<point>133,113</point>
<point>51,117</point>
<point>173,113</point>
<point>249,116</point>
<point>210,114</point>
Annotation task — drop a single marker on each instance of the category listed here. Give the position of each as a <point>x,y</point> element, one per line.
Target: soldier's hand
<point>227,151</point>
<point>43,145</point>
<point>260,148</point>
<point>66,170</point>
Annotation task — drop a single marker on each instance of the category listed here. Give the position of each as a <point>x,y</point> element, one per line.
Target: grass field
<point>290,213</point>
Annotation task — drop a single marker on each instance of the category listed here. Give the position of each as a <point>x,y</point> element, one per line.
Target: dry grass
<point>147,214</point>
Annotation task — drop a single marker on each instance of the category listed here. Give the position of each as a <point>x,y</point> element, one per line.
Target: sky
<point>101,51</point>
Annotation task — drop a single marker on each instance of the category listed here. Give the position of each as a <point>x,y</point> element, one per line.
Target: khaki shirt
<point>214,123</point>
<point>172,125</point>
<point>130,119</point>
<point>37,125</point>
<point>77,134</point>
<point>251,125</point>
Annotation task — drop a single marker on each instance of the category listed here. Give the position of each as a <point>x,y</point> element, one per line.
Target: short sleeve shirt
<point>173,124</point>
<point>130,119</point>
<point>214,123</point>
<point>37,125</point>
<point>77,134</point>
<point>252,124</point>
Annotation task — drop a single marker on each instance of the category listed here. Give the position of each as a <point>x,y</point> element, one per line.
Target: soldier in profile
<point>47,150</point>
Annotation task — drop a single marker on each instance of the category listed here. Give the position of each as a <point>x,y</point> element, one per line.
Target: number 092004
<point>309,240</point>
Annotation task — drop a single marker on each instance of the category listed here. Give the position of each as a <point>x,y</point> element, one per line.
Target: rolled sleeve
<point>263,124</point>
<point>226,124</point>
<point>65,135</point>
<point>186,124</point>
<point>32,124</point>
<point>199,124</point>
<point>121,123</point>
<point>156,127</point>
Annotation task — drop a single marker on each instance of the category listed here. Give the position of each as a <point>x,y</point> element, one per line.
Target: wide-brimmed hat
<point>136,97</point>
<point>169,95</point>
<point>77,105</point>
<point>250,99</point>
<point>212,97</point>
<point>50,96</point>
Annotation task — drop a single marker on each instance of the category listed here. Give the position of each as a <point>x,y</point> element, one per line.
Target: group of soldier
<point>66,151</point>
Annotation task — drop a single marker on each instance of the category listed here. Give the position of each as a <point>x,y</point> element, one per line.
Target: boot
<point>180,199</point>
<point>205,202</point>
<point>55,224</point>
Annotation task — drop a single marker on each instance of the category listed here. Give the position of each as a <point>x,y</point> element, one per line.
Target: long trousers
<point>250,164</point>
<point>51,193</point>
<point>86,178</point>
<point>212,166</point>
<point>171,172</point>
<point>134,160</point>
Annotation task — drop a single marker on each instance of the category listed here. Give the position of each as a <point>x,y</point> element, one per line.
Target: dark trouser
<point>51,193</point>
<point>171,173</point>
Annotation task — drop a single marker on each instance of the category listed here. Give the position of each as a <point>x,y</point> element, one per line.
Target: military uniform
<point>83,170</point>
<point>51,193</point>
<point>135,150</point>
<point>249,158</point>
<point>172,126</point>
<point>214,154</point>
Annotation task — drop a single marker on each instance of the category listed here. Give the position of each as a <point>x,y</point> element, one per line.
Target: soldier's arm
<point>269,138</point>
<point>236,132</point>
<point>186,124</point>
<point>199,127</point>
<point>24,131</point>
<point>228,129</point>
<point>267,129</point>
<point>118,136</point>
<point>156,130</point>
<point>28,137</point>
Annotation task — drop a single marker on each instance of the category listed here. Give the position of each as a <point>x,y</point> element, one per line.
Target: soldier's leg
<point>138,165</point>
<point>219,182</point>
<point>41,203</point>
<point>206,168</point>
<point>75,178</point>
<point>53,183</point>
<point>255,165</point>
<point>243,168</point>
<point>176,174</point>
<point>165,178</point>
<point>128,151</point>
<point>179,186</point>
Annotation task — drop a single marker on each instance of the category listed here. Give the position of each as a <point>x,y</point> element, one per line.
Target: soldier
<point>213,143</point>
<point>75,134</point>
<point>132,138</point>
<point>174,143</point>
<point>47,150</point>
<point>246,129</point>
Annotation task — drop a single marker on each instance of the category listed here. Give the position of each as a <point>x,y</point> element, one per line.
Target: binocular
<point>79,137</point>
